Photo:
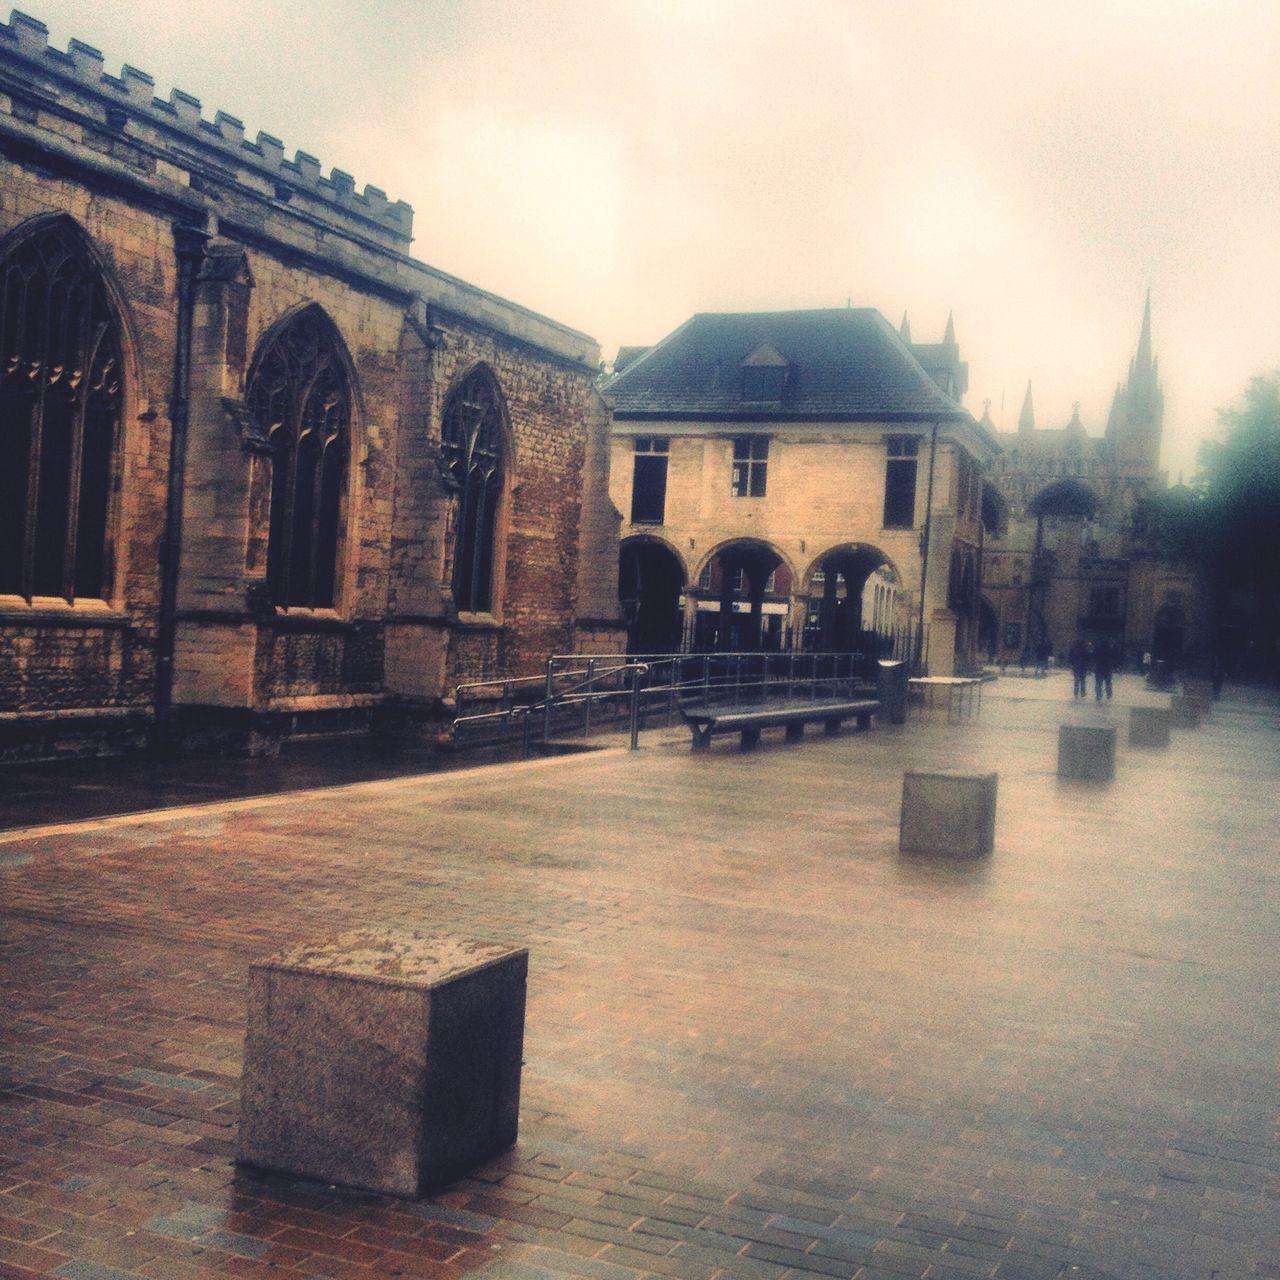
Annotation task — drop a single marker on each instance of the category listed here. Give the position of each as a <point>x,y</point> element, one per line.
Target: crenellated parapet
<point>126,105</point>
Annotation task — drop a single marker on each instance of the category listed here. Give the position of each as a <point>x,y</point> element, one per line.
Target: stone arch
<point>68,379</point>
<point>834,620</point>
<point>651,580</point>
<point>732,611</point>
<point>861,551</point>
<point>744,544</point>
<point>303,396</point>
<point>1068,498</point>
<point>477,450</point>
<point>121,307</point>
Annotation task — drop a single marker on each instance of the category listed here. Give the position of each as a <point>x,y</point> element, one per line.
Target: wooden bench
<point>705,721</point>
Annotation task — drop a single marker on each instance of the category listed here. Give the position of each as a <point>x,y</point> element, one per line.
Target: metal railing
<point>580,693</point>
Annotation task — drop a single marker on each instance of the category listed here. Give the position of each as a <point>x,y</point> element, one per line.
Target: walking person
<point>1103,664</point>
<point>1079,659</point>
<point>1043,651</point>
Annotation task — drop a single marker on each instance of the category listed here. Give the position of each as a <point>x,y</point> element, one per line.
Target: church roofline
<point>132,94</point>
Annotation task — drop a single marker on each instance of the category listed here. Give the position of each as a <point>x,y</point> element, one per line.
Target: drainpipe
<point>188,245</point>
<point>924,548</point>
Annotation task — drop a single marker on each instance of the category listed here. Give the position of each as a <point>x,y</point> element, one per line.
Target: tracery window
<point>301,398</point>
<point>60,410</point>
<point>471,442</point>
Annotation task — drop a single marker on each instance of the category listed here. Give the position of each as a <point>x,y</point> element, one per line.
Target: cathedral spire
<point>1027,418</point>
<point>1143,358</point>
<point>949,338</point>
<point>1137,414</point>
<point>1113,417</point>
<point>1143,401</point>
<point>904,330</point>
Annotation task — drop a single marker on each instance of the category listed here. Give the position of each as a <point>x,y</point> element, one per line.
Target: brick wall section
<point>125,167</point>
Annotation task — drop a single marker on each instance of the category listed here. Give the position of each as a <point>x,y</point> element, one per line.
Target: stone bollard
<point>948,812</point>
<point>1149,726</point>
<point>1087,752</point>
<point>383,1060</point>
<point>1186,711</point>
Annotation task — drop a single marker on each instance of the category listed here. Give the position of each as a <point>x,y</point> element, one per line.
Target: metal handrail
<point>712,677</point>
<point>571,697</point>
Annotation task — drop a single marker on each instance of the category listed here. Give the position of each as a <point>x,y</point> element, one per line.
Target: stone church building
<point>262,473</point>
<point>1074,556</point>
<point>799,479</point>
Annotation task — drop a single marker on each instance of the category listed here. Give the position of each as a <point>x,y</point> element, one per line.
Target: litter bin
<point>891,689</point>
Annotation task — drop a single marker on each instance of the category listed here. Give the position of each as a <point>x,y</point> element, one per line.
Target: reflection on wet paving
<point>760,1042</point>
<point>70,790</point>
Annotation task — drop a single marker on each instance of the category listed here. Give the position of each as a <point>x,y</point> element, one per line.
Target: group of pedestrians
<point>1099,659</point>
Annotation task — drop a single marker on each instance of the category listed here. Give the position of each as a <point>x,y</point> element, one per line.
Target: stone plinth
<point>1187,711</point>
<point>1149,726</point>
<point>1087,752</point>
<point>383,1060</point>
<point>948,812</point>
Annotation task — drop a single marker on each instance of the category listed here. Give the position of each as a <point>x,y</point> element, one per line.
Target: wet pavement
<point>62,790</point>
<point>760,1042</point>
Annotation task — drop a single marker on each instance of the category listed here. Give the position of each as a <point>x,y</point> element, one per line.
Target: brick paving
<point>761,1043</point>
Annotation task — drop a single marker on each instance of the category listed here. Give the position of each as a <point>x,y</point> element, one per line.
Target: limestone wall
<point>127,168</point>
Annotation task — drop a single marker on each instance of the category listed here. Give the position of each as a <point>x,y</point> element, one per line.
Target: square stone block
<point>1149,726</point>
<point>948,812</point>
<point>1187,711</point>
<point>1087,751</point>
<point>383,1060</point>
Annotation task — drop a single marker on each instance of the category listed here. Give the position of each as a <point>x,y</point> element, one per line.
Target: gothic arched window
<point>300,396</point>
<point>471,441</point>
<point>60,408</point>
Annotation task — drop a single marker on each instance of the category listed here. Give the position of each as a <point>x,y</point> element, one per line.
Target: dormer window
<point>764,376</point>
<point>763,384</point>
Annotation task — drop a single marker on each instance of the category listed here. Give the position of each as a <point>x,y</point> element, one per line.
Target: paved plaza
<point>760,1041</point>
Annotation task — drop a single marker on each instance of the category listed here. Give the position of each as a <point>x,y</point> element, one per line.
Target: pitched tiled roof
<point>626,355</point>
<point>846,364</point>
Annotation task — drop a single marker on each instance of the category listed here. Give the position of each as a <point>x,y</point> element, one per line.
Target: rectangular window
<point>750,465</point>
<point>649,481</point>
<point>900,482</point>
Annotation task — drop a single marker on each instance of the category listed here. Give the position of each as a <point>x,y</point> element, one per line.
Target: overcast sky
<point>618,166</point>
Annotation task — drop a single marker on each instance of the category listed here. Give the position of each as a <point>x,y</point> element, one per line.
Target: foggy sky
<point>619,166</point>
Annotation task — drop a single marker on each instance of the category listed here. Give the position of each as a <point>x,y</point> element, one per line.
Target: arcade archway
<point>650,583</point>
<point>836,620</point>
<point>744,593</point>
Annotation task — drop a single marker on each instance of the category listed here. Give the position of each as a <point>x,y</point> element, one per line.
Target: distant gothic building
<point>798,479</point>
<point>262,474</point>
<point>1074,556</point>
